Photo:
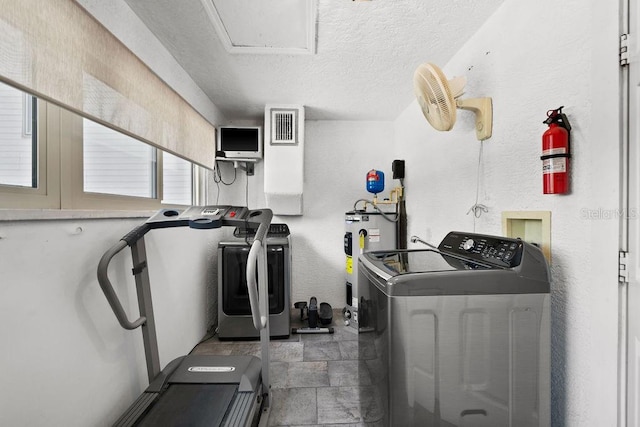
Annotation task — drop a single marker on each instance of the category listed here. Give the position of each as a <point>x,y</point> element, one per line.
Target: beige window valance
<point>57,51</point>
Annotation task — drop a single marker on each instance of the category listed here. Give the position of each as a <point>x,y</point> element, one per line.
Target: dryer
<point>458,335</point>
<point>234,311</point>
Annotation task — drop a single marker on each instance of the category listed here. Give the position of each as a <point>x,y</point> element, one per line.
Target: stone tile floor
<point>316,379</point>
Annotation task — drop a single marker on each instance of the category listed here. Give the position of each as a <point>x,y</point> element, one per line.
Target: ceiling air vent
<point>284,126</point>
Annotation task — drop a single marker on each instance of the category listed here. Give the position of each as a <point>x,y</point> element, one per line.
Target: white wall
<point>65,360</point>
<point>532,57</point>
<point>338,155</point>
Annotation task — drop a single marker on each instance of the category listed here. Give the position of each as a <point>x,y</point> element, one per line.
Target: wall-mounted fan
<point>438,98</point>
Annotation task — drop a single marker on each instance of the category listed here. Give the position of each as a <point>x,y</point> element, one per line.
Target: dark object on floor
<point>315,316</point>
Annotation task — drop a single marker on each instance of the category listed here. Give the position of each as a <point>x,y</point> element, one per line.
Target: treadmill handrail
<point>259,320</point>
<point>263,215</point>
<point>201,217</point>
<point>110,293</point>
<point>265,220</point>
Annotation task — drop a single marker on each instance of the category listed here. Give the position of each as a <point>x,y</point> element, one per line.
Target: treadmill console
<point>200,217</point>
<point>499,251</point>
<point>249,230</point>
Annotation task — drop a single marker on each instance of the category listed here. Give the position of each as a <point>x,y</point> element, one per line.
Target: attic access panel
<point>265,26</point>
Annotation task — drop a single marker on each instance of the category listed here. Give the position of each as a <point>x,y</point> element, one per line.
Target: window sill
<point>62,214</point>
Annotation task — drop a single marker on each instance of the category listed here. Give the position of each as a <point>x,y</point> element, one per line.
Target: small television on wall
<point>240,142</point>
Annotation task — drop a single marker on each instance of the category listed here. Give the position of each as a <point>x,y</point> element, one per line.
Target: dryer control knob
<point>468,245</point>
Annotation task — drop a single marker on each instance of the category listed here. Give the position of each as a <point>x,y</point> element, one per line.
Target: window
<point>114,163</point>
<point>18,142</point>
<point>53,158</point>
<point>29,164</point>
<point>177,180</point>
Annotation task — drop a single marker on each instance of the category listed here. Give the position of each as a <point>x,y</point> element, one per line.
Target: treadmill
<point>198,390</point>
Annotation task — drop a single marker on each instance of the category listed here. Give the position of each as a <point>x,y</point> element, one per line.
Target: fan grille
<point>434,96</point>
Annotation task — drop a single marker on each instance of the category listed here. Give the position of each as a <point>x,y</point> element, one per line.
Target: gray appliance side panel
<point>464,282</point>
<point>469,360</point>
<point>458,282</point>
<point>374,349</point>
<point>534,265</point>
<point>460,360</point>
<point>219,284</point>
<point>240,327</point>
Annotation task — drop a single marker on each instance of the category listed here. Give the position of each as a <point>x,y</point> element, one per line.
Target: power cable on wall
<point>246,191</point>
<point>478,208</point>
<point>217,178</point>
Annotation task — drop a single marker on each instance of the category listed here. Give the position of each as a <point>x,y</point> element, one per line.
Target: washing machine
<point>364,231</point>
<point>234,311</point>
<point>458,335</point>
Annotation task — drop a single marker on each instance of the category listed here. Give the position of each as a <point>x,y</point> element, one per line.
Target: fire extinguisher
<point>556,152</point>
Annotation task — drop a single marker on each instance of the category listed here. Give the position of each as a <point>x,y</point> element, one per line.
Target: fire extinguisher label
<point>554,165</point>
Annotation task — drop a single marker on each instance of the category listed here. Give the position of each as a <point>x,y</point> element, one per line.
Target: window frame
<point>73,195</point>
<point>60,169</point>
<point>46,194</point>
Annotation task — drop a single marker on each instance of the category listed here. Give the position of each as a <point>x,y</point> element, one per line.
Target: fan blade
<point>434,96</point>
<point>456,86</point>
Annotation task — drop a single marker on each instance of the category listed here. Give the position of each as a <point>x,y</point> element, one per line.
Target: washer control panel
<point>500,251</point>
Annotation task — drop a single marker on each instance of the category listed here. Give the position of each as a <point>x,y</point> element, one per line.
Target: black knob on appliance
<point>468,245</point>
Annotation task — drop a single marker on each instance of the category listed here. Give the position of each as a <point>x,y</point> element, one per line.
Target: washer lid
<point>428,272</point>
<point>422,261</point>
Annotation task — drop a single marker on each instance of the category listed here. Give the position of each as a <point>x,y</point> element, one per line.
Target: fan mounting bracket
<point>483,109</point>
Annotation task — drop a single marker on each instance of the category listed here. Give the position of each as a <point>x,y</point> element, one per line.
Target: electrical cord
<point>217,178</point>
<point>246,191</point>
<point>478,208</point>
<point>217,175</point>
<point>211,332</point>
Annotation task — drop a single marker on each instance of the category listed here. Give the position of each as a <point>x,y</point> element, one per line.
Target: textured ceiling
<point>366,54</point>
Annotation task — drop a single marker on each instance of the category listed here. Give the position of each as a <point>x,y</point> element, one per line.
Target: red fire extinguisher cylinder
<point>555,154</point>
